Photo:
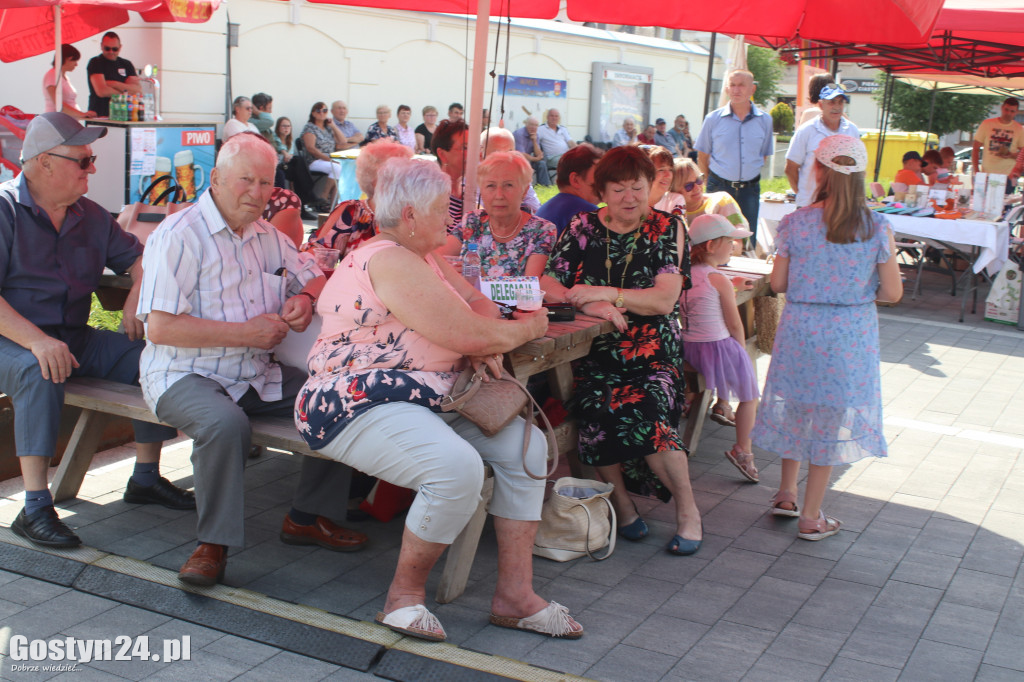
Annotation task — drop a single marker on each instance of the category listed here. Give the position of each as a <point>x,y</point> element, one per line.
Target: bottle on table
<point>471,265</point>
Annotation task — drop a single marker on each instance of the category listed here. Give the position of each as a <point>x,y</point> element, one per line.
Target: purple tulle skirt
<point>726,367</point>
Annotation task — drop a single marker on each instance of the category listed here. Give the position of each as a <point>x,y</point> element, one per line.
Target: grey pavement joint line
<point>296,628</point>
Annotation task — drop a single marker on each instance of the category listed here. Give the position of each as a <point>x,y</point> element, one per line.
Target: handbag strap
<point>176,190</point>
<point>549,431</point>
<point>611,530</point>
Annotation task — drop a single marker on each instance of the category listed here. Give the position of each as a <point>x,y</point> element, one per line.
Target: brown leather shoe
<point>206,565</point>
<point>323,532</point>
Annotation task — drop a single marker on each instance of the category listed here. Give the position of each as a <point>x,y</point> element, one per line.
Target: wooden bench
<point>99,400</point>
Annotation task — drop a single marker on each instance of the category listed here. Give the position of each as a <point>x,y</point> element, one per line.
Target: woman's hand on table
<point>582,294</point>
<point>607,311</point>
<point>538,319</point>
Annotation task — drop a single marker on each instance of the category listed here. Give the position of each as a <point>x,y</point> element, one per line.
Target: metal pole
<point>931,115</point>
<point>886,104</point>
<point>58,62</point>
<point>711,66</point>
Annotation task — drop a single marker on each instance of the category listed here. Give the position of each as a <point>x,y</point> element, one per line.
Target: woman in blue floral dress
<point>822,400</point>
<point>510,241</point>
<point>621,262</point>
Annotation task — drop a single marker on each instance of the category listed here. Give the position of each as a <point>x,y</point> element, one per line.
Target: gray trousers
<point>221,434</point>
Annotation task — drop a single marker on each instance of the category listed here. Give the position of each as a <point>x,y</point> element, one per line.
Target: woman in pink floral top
<point>399,324</point>
<point>511,242</point>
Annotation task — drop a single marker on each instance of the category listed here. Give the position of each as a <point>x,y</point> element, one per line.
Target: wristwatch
<point>312,299</point>
<point>621,300</point>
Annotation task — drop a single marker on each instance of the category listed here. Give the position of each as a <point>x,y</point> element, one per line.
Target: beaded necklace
<point>608,253</point>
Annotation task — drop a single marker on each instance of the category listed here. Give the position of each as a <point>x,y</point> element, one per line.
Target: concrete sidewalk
<point>924,582</point>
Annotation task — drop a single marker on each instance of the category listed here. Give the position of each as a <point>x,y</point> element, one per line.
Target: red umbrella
<point>31,27</point>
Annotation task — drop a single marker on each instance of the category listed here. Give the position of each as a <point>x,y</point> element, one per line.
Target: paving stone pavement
<point>923,583</point>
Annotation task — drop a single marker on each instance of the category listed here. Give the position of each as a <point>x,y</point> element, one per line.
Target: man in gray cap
<point>662,137</point>
<point>54,245</point>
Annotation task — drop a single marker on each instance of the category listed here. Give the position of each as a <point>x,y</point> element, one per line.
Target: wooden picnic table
<point>553,353</point>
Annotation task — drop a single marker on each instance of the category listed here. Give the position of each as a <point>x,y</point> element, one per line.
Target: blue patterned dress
<point>822,401</point>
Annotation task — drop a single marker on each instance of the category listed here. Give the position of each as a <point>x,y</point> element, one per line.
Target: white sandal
<point>553,620</point>
<point>415,621</point>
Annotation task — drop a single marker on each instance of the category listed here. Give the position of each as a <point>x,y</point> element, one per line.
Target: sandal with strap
<point>784,497</point>
<point>552,620</point>
<point>819,529</point>
<point>744,461</point>
<point>719,415</point>
<point>415,621</point>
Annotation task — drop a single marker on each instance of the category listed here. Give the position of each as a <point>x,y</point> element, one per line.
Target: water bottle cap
<point>473,247</point>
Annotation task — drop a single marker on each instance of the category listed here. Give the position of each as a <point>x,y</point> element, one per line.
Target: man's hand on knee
<point>55,359</point>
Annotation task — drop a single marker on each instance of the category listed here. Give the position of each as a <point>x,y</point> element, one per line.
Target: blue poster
<point>528,97</point>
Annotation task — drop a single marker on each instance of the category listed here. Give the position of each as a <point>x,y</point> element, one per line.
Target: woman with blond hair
<point>511,242</point>
<point>822,401</point>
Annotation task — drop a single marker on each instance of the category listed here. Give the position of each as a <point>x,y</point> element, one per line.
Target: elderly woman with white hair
<point>351,222</point>
<point>399,325</point>
<point>511,241</point>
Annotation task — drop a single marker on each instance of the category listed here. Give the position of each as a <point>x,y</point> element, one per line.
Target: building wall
<point>301,53</point>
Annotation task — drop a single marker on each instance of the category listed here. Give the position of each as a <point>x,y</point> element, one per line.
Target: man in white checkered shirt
<point>221,288</point>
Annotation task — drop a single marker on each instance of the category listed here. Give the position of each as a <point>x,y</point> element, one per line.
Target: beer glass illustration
<point>185,170</point>
<point>161,180</point>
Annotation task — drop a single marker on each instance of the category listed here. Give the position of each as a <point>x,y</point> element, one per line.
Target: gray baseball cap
<point>53,129</point>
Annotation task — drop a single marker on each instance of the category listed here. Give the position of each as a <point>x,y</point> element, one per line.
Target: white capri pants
<point>332,168</point>
<point>441,456</point>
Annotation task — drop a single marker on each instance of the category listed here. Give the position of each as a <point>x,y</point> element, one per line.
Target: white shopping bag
<point>1003,302</point>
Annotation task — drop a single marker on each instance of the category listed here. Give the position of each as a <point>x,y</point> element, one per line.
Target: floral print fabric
<point>364,356</point>
<point>822,400</point>
<point>505,259</point>
<point>629,389</point>
<point>355,224</point>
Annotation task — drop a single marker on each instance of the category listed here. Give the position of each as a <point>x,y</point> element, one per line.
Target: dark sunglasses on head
<point>108,48</point>
<point>688,187</point>
<point>83,162</point>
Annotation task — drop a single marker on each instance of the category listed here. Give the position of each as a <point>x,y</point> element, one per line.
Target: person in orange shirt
<point>910,174</point>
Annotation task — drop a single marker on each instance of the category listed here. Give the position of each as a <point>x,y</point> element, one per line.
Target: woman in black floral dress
<point>621,263</point>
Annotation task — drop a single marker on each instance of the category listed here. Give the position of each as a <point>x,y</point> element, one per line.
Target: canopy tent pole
<point>58,63</point>
<point>931,116</point>
<point>711,67</point>
<point>886,105</point>
<point>476,104</point>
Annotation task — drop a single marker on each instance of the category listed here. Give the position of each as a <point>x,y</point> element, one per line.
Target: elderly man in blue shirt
<point>734,144</point>
<point>54,245</point>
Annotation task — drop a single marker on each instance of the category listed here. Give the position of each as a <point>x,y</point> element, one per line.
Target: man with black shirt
<point>109,75</point>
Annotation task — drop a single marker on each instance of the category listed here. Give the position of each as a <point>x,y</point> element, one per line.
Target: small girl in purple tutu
<point>713,332</point>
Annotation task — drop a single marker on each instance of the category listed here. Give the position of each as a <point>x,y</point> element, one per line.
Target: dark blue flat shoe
<point>634,531</point>
<point>680,546</point>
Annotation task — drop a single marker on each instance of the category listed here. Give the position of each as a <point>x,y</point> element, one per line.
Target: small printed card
<point>503,289</point>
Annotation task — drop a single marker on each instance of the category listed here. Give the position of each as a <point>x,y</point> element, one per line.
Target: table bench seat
<point>100,400</point>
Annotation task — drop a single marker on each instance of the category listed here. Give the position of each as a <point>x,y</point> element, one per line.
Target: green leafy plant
<point>767,69</point>
<point>782,118</point>
<point>911,107</point>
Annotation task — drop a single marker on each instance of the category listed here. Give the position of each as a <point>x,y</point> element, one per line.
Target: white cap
<point>834,147</point>
<point>710,226</point>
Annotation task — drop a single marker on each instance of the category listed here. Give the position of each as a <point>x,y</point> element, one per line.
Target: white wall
<point>366,57</point>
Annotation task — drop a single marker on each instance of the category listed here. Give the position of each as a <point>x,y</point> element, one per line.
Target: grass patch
<point>103,319</point>
<point>779,184</point>
<point>545,192</point>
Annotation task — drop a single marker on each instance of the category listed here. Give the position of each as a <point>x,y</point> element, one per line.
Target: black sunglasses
<point>108,48</point>
<point>322,110</point>
<point>83,162</point>
<point>696,183</point>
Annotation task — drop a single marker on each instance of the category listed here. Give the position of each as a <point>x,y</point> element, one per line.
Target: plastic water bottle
<point>471,265</point>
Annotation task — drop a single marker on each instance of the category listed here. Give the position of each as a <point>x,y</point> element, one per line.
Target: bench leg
<point>78,455</point>
<point>698,412</point>
<point>462,552</point>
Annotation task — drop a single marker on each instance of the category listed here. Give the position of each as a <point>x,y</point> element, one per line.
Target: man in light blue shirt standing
<point>800,156</point>
<point>734,144</point>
